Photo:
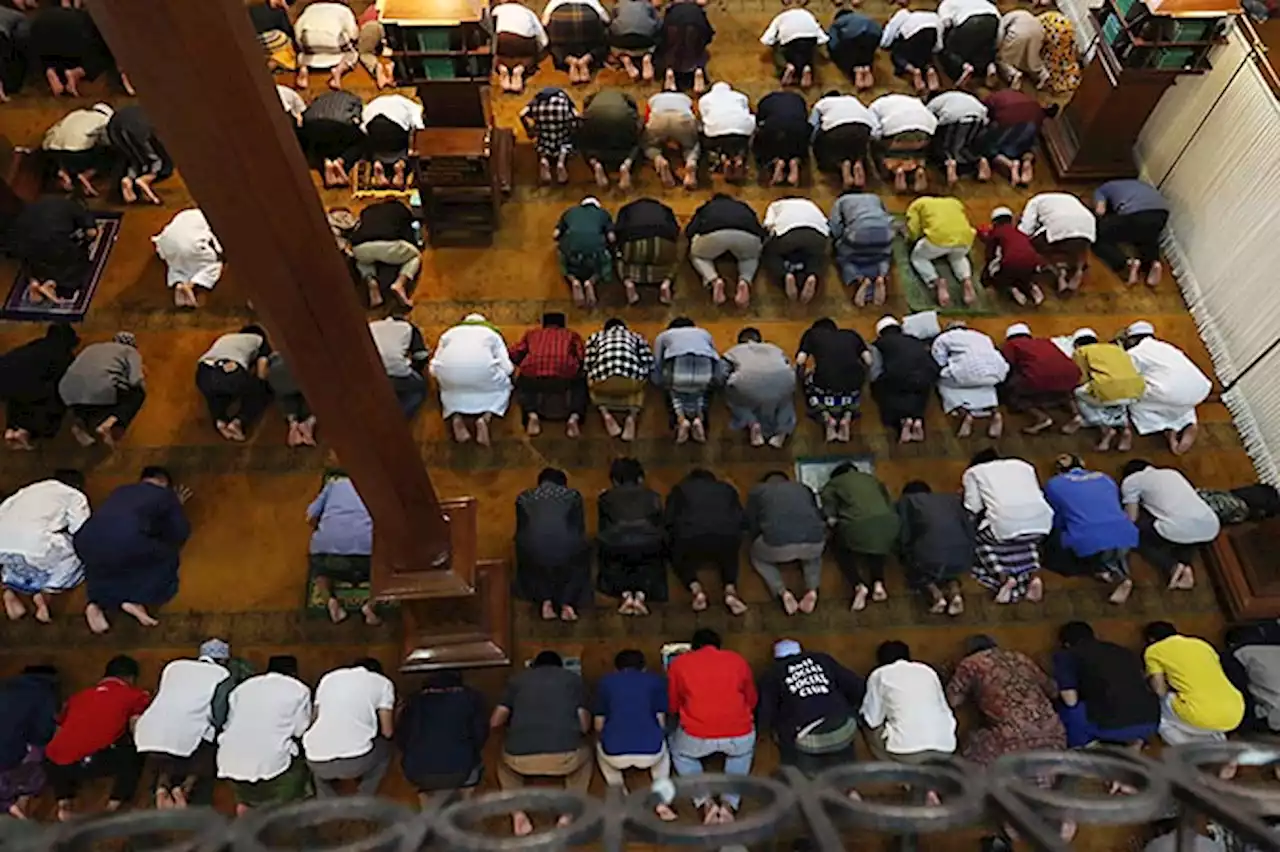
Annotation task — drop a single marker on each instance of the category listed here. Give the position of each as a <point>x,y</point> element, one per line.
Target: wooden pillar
<point>201,76</point>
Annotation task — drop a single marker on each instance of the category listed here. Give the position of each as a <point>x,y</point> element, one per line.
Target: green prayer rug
<point>922,298</point>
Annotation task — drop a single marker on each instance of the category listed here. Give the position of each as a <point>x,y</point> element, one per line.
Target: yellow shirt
<point>1202,695</point>
<point>1109,372</point>
<point>942,221</point>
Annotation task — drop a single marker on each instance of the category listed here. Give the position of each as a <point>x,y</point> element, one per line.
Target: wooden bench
<point>1244,557</point>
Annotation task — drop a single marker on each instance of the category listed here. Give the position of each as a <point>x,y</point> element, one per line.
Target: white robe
<point>1175,386</point>
<point>36,525</point>
<point>972,367</point>
<point>189,248</point>
<point>473,370</point>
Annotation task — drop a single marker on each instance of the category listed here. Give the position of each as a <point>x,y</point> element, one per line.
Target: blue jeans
<point>688,751</point>
<point>411,392</point>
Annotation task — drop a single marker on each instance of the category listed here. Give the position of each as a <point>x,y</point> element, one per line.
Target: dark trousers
<point>851,564</point>
<point>1158,550</point>
<point>1141,230</point>
<point>294,406</point>
<point>411,392</point>
<point>801,251</point>
<point>126,407</point>
<point>719,549</point>
<point>564,582</point>
<point>915,52</point>
<point>119,761</point>
<point>551,398</point>
<point>859,52</point>
<point>973,42</point>
<point>799,52</point>
<point>237,395</point>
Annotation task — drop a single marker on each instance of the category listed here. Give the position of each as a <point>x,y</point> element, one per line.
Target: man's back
<point>1112,685</point>
<point>713,692</point>
<point>181,716</point>
<point>906,697</point>
<point>544,703</point>
<point>347,703</point>
<point>266,713</point>
<point>1203,696</point>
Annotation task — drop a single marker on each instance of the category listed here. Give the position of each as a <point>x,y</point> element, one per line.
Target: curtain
<point>1255,406</point>
<point>1224,235</point>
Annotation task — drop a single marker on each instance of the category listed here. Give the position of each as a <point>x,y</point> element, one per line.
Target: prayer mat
<point>921,298</point>
<point>814,471</point>
<point>349,578</point>
<point>362,184</point>
<point>18,307</point>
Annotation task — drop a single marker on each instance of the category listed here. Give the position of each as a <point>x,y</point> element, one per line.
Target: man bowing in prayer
<point>1174,387</point>
<point>130,548</point>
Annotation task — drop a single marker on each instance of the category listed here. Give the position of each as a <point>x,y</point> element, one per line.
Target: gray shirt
<point>760,373</point>
<point>634,17</point>
<point>238,347</point>
<point>394,339</point>
<point>544,704</point>
<point>1130,196</point>
<point>1262,663</point>
<point>784,512</point>
<point>99,372</point>
<point>858,212</point>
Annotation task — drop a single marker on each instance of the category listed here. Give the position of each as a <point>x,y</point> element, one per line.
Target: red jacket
<point>713,693</point>
<point>1016,253</point>
<point>1040,366</point>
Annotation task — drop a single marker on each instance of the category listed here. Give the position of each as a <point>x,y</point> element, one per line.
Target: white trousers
<point>612,765</point>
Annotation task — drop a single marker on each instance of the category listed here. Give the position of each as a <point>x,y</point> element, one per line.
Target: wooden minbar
<point>1143,47</point>
<point>446,626</point>
<point>1243,560</point>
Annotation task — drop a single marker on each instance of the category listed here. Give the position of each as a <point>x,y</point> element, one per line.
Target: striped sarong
<point>996,561</point>
<point>576,30</point>
<point>687,379</point>
<point>648,260</point>
<point>904,150</point>
<point>281,54</point>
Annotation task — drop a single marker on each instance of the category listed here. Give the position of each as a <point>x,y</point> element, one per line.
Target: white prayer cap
<point>786,648</point>
<point>104,108</point>
<point>1083,332</point>
<point>474,318</point>
<point>1141,327</point>
<point>1017,328</point>
<point>1001,211</point>
<point>885,322</point>
<point>591,199</point>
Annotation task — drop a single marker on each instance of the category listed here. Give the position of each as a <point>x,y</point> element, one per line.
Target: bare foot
<point>611,427</point>
<point>601,176</point>
<point>789,603</point>
<point>140,613</point>
<point>699,601</point>
<point>629,428</point>
<point>1153,275</point>
<point>806,77</point>
<point>13,606</point>
<point>548,611</point>
<point>83,438</point>
<point>966,426</point>
<point>734,604</point>
<point>1005,594</point>
<point>568,613</point>
<point>633,295</point>
<point>126,190</point>
<point>337,614</point>
<point>1126,440</point>
<point>879,593</point>
<point>1035,590</point>
<point>572,428</point>
<point>664,292</point>
<point>534,428</point>
<point>482,431</point>
<point>809,290</point>
<point>956,607</point>
<point>371,617</point>
<point>96,620</point>
<point>996,429</point>
<point>42,608</point>
<point>809,602</point>
<point>521,825</point>
<point>1122,592</point>
<point>665,813</point>
<point>460,433</point>
<point>697,431</point>
<point>859,599</point>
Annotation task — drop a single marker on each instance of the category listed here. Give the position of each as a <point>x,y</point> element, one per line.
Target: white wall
<point>1212,146</point>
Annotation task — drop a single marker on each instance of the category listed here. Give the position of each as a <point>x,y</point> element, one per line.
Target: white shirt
<point>725,111</point>
<point>79,130</point>
<point>1181,515</point>
<point>265,715</point>
<point>791,25</point>
<point>556,4</point>
<point>181,715</point>
<point>1008,492</point>
<point>906,23</point>
<point>406,113</point>
<point>896,114</point>
<point>37,523</point>
<point>518,20</point>
<point>347,705</point>
<point>953,13</point>
<point>787,213</point>
<point>834,110</point>
<point>955,107</point>
<point>907,698</point>
<point>1172,378</point>
<point>671,102</point>
<point>326,28</point>
<point>1060,215</point>
<point>291,101</point>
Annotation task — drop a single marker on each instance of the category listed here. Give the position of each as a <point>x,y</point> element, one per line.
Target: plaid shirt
<point>618,351</point>
<point>549,353</point>
<point>553,119</point>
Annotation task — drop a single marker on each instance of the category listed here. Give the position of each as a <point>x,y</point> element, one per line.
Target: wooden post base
<point>392,581</point>
<point>1242,558</point>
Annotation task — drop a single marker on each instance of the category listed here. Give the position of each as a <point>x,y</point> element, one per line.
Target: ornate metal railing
<point>1031,793</point>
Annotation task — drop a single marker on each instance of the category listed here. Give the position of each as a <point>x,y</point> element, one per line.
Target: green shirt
<point>583,229</point>
<point>866,520</point>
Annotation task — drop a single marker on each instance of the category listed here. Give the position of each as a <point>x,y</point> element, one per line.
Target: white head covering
<point>1083,332</point>
<point>885,322</point>
<point>591,199</point>
<point>104,108</point>
<point>1141,327</point>
<point>1017,328</point>
<point>474,318</point>
<point>786,648</point>
<point>1001,211</point>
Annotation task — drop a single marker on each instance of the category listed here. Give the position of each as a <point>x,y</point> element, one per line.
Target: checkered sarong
<point>997,561</point>
<point>575,29</point>
<point>687,379</point>
<point>648,260</point>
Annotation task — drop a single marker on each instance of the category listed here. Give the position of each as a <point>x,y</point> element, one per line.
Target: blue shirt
<point>1130,196</point>
<point>28,707</point>
<point>1087,512</point>
<point>848,27</point>
<point>345,526</point>
<point>630,702</point>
